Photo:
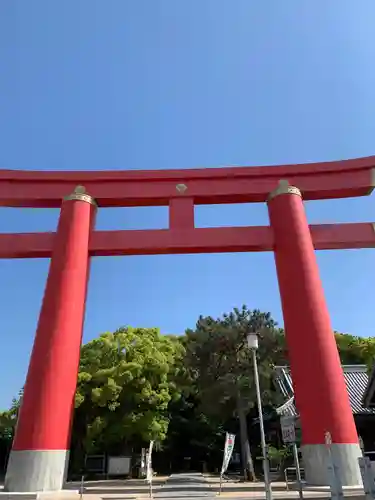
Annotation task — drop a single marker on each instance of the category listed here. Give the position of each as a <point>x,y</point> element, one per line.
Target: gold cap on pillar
<point>80,194</point>
<point>284,188</point>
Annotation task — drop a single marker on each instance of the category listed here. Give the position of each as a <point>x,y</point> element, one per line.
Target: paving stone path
<point>185,486</point>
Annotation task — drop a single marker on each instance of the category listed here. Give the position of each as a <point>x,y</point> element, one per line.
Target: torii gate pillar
<point>40,452</point>
<point>318,380</point>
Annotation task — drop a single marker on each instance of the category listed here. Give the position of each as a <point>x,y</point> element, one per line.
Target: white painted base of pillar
<point>36,470</point>
<point>344,456</point>
<point>41,495</point>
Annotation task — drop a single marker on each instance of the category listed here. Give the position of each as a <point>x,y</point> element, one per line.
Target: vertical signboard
<point>228,450</point>
<point>288,429</point>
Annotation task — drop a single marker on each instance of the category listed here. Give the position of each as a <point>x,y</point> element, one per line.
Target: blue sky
<point>152,84</point>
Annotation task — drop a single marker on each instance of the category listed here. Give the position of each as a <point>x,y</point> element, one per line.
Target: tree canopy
<point>356,350</point>
<point>125,384</point>
<point>220,361</point>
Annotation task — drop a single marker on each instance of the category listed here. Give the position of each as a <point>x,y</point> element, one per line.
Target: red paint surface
<point>185,241</point>
<point>181,213</point>
<point>45,414</point>
<point>318,380</point>
<point>206,186</point>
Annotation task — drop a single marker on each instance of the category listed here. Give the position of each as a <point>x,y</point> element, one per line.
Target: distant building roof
<point>357,381</point>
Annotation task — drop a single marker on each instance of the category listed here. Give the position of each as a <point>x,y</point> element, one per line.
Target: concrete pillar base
<point>345,456</point>
<point>41,495</point>
<point>36,470</point>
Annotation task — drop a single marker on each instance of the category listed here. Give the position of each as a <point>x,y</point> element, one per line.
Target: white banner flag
<point>149,463</point>
<point>228,450</point>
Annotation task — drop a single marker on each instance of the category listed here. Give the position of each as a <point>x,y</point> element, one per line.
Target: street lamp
<point>252,344</point>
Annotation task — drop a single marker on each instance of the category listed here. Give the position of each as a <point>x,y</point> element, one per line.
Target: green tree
<point>8,419</point>
<point>217,354</point>
<point>125,383</point>
<point>356,350</point>
<point>191,432</point>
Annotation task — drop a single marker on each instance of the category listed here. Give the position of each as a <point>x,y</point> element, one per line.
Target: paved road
<point>185,486</point>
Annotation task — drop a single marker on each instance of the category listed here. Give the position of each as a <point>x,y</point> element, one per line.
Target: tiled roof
<point>356,378</point>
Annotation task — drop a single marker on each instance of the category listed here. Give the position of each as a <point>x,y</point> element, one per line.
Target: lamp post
<point>252,343</point>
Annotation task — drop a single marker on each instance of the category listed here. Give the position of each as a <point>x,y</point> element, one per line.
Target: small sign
<point>288,429</point>
<point>328,438</point>
<point>118,466</point>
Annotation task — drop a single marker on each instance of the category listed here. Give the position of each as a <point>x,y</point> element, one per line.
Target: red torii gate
<point>39,455</point>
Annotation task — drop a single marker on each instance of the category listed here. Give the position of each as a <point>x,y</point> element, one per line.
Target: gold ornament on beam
<point>284,188</point>
<point>80,194</point>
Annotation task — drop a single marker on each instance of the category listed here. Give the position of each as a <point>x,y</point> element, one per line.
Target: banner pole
<point>298,470</point>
